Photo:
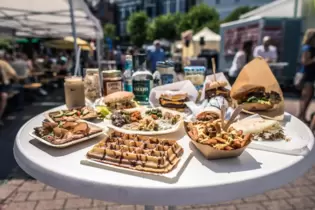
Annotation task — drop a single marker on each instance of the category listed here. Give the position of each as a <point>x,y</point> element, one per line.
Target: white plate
<point>172,176</point>
<point>292,129</point>
<point>174,128</point>
<point>71,142</point>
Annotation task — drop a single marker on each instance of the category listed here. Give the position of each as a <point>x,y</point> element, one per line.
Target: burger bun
<point>119,96</point>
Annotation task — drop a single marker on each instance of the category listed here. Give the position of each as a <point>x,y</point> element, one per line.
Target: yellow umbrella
<point>67,44</point>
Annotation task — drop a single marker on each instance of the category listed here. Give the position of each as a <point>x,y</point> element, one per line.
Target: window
<point>122,13</point>
<point>173,6</point>
<point>217,1</point>
<point>182,6</point>
<point>150,12</point>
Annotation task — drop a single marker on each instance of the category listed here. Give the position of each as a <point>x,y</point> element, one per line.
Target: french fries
<point>212,134</point>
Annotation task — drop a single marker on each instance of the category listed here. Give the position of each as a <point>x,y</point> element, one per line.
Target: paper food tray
<point>296,146</point>
<point>167,177</point>
<point>175,128</point>
<point>185,86</point>
<point>32,134</point>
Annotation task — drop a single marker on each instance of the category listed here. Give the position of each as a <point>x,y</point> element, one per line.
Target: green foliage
<point>236,13</point>
<point>137,28</point>
<point>164,26</point>
<point>109,30</point>
<point>198,17</point>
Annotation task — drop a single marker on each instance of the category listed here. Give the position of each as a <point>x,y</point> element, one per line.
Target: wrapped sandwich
<point>174,100</point>
<point>120,100</point>
<point>261,129</point>
<point>255,98</point>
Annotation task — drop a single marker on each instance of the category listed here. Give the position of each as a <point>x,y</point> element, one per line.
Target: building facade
<point>225,7</point>
<point>152,8</point>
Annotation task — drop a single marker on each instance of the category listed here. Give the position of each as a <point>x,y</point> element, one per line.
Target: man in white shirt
<point>267,51</point>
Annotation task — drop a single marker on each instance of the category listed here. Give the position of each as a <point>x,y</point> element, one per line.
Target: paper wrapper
<point>210,78</point>
<point>211,153</point>
<point>185,86</point>
<point>257,72</point>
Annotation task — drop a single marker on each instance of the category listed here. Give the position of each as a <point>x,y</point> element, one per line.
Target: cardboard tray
<point>211,153</point>
<point>32,134</point>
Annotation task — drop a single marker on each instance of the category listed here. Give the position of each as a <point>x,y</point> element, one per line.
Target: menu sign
<point>235,37</point>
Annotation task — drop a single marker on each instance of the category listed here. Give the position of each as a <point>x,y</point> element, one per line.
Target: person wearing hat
<point>266,50</point>
<point>157,54</point>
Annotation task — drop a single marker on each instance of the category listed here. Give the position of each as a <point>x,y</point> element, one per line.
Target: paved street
<point>19,191</point>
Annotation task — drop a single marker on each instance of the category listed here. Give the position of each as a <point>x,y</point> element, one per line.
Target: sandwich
<point>174,100</point>
<point>217,88</point>
<point>120,100</point>
<point>261,129</point>
<point>209,114</point>
<point>255,98</point>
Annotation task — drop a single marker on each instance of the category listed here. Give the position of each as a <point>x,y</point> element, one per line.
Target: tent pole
<point>74,33</point>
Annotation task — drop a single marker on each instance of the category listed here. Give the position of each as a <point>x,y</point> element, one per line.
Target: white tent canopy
<point>42,18</point>
<point>207,34</point>
<point>278,8</point>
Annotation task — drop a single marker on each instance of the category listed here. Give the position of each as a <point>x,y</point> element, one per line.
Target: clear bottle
<point>142,81</point>
<point>128,74</point>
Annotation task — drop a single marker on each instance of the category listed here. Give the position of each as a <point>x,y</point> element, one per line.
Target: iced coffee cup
<point>74,92</point>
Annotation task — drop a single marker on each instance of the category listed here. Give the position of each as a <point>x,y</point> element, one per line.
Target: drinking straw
<point>77,62</point>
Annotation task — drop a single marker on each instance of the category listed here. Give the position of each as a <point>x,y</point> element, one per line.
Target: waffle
<point>142,153</point>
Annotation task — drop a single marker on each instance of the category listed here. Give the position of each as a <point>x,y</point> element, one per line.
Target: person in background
<point>118,55</point>
<point>7,73</point>
<point>267,51</point>
<point>62,65</point>
<point>20,66</point>
<point>156,55</point>
<point>308,68</point>
<point>241,58</point>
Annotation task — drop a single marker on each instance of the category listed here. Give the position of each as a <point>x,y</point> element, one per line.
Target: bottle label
<point>142,89</point>
<point>112,87</point>
<point>167,79</point>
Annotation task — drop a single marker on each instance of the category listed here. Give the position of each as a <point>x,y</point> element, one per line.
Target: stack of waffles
<point>142,153</point>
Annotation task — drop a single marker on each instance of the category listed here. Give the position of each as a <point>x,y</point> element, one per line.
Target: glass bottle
<point>142,81</point>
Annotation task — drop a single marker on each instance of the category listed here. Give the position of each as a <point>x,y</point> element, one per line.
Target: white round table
<point>202,181</point>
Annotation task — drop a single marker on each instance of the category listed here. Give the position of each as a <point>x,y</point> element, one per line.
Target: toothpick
<point>234,115</point>
<point>214,68</point>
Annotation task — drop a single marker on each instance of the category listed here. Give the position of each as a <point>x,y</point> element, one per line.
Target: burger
<point>120,100</point>
<point>174,100</point>
<point>255,98</point>
<point>218,88</point>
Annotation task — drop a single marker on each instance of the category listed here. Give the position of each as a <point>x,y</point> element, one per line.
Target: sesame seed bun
<point>119,96</point>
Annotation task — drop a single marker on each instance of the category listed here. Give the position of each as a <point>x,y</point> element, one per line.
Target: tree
<point>236,13</point>
<point>137,27</point>
<point>109,31</point>
<point>164,26</point>
<point>199,17</point>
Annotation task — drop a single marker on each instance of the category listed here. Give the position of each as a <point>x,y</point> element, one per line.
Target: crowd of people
<point>17,71</point>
